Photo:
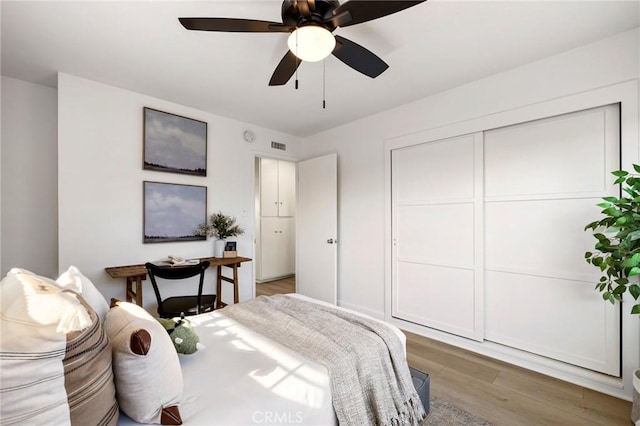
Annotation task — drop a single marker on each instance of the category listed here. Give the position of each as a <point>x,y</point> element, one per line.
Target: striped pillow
<point>88,376</point>
<point>55,359</point>
<point>32,388</point>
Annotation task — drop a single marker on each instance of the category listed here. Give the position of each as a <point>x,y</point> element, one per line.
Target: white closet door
<point>542,182</point>
<point>437,263</point>
<point>288,245</point>
<point>273,261</point>
<point>268,187</point>
<point>286,188</point>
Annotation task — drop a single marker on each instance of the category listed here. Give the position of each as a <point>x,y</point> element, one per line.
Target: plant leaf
<point>633,236</point>
<point>632,261</point>
<point>634,289</point>
<point>636,168</point>
<point>620,289</point>
<point>621,221</point>
<point>635,309</point>
<point>620,173</point>
<point>634,271</point>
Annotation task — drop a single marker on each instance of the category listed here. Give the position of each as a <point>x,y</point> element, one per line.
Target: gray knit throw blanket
<point>368,372</point>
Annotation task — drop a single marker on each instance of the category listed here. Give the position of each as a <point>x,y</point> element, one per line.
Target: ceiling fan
<point>311,24</point>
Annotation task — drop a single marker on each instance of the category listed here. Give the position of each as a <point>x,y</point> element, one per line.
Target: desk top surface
<point>140,270</point>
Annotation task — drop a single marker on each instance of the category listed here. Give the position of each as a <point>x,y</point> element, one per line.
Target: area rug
<point>446,414</point>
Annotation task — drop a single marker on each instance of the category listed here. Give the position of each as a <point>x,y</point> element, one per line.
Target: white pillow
<point>146,367</point>
<point>75,280</point>
<point>35,316</point>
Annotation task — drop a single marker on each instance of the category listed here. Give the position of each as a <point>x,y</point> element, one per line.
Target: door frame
<point>626,94</point>
<point>256,209</point>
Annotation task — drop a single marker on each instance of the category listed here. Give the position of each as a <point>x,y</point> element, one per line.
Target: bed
<point>240,378</point>
<point>242,365</point>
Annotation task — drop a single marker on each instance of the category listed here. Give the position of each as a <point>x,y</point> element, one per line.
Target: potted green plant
<point>617,251</point>
<point>220,226</point>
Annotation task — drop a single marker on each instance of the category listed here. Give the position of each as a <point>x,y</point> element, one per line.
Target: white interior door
<point>317,228</point>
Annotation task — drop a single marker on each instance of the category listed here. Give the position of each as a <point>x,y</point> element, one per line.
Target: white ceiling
<point>437,45</point>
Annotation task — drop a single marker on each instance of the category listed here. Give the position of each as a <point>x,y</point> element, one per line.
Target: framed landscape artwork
<point>173,212</point>
<point>173,143</point>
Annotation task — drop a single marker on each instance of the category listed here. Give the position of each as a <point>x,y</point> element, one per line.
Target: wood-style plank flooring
<point>285,285</point>
<point>496,391</point>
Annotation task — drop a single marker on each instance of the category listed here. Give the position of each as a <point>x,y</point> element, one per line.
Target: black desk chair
<point>178,305</point>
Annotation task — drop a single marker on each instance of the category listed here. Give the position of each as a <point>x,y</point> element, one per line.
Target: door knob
<point>331,241</point>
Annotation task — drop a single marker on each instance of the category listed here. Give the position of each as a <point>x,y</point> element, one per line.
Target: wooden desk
<point>135,274</point>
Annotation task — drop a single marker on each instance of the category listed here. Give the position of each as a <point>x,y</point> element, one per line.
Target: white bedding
<point>243,378</point>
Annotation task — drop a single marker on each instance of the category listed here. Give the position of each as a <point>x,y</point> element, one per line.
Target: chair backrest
<point>176,273</point>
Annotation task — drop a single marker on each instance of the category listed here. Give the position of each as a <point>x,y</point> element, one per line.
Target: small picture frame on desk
<point>230,249</point>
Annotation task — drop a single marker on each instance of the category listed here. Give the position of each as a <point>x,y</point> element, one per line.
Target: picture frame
<point>173,143</point>
<point>230,250</point>
<point>173,212</point>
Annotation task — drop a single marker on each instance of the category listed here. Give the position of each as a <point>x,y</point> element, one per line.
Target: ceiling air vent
<point>278,145</point>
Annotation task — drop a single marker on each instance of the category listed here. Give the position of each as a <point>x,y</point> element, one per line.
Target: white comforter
<point>243,378</point>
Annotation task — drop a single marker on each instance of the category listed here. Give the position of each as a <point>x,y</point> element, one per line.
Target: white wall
<point>362,265</point>
<point>100,182</point>
<point>29,168</point>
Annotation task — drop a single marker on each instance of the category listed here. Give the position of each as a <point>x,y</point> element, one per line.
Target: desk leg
<point>235,283</point>
<point>219,303</point>
<point>130,294</point>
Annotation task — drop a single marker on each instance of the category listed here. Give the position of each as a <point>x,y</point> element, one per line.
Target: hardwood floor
<point>285,285</point>
<point>496,391</point>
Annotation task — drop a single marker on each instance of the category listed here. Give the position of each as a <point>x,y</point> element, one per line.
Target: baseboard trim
<point>268,280</point>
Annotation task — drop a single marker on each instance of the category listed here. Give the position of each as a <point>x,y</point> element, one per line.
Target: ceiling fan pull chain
<point>296,55</point>
<point>324,104</point>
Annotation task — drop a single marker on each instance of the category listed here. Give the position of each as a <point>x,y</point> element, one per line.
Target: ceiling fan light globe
<point>311,43</point>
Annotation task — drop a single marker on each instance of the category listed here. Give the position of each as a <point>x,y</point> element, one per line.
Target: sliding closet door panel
<point>553,157</point>
<point>439,297</point>
<point>542,182</point>
<point>433,172</point>
<point>540,237</point>
<point>435,202</point>
<point>557,318</point>
<point>431,241</point>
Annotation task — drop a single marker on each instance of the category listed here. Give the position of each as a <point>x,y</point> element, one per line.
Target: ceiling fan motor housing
<point>293,16</point>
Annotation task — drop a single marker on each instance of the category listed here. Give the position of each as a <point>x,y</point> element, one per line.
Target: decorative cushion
<point>88,376</point>
<point>75,280</point>
<point>35,314</point>
<point>147,370</point>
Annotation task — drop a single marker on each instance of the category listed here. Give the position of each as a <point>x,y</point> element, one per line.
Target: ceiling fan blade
<point>234,25</point>
<point>358,58</point>
<point>304,7</point>
<point>367,10</point>
<point>285,69</point>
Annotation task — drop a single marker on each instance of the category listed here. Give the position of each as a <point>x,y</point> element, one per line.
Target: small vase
<point>218,248</point>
